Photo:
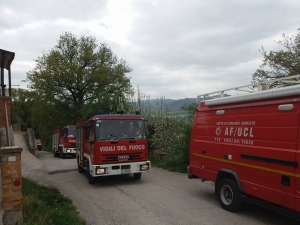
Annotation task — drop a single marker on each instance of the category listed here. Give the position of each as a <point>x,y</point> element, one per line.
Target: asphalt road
<point>160,197</point>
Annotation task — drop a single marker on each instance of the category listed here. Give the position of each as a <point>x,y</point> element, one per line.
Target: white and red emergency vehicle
<point>38,143</point>
<point>249,146</point>
<point>64,141</point>
<point>112,145</point>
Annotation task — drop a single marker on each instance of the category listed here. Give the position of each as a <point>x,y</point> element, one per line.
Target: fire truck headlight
<point>100,170</point>
<point>68,150</point>
<point>144,167</point>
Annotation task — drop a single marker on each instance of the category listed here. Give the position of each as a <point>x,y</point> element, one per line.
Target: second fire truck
<point>112,145</point>
<point>64,141</point>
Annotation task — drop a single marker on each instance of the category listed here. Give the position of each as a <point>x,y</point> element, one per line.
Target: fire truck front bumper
<point>121,168</point>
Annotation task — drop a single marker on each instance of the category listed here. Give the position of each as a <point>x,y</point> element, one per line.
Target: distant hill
<point>175,105</point>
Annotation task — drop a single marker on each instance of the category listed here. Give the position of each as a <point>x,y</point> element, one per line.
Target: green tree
<point>22,102</point>
<point>190,109</point>
<point>282,63</point>
<point>45,118</point>
<point>78,74</point>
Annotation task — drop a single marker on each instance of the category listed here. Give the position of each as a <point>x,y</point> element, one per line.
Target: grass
<point>47,206</point>
<point>167,164</point>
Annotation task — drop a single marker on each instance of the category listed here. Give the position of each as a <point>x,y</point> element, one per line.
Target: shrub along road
<point>160,197</point>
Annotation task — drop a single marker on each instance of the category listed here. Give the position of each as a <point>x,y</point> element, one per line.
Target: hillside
<point>174,105</point>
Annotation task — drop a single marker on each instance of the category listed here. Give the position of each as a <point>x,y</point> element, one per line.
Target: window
<point>119,129</point>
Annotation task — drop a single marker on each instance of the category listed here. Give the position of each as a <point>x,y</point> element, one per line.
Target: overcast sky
<point>177,49</point>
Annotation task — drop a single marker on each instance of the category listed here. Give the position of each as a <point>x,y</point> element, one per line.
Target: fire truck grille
<point>123,157</point>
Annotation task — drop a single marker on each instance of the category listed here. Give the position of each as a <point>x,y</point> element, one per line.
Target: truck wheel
<point>91,179</point>
<point>80,169</point>
<point>54,153</point>
<point>137,176</point>
<point>229,195</point>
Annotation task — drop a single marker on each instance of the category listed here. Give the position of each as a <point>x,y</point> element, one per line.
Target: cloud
<point>176,49</point>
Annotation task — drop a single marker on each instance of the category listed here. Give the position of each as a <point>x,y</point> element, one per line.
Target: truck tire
<point>80,169</point>
<point>137,176</point>
<point>54,153</point>
<point>91,179</point>
<point>229,195</point>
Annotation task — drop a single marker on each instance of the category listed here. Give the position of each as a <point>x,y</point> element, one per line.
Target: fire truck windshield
<point>119,129</point>
<point>71,132</point>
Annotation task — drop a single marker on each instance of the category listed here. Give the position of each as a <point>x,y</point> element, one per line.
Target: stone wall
<point>11,176</point>
<point>12,185</point>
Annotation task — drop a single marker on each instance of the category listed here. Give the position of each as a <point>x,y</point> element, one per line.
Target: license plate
<point>125,171</point>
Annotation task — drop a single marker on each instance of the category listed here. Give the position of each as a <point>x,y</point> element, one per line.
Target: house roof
<point>6,58</point>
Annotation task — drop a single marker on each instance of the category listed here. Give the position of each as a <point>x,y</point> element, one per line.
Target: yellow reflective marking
<point>249,165</point>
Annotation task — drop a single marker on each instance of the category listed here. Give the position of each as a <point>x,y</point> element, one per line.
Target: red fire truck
<point>38,143</point>
<point>112,145</point>
<point>249,146</point>
<point>64,141</point>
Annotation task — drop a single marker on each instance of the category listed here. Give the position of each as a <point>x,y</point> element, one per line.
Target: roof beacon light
<point>137,112</point>
<point>100,112</point>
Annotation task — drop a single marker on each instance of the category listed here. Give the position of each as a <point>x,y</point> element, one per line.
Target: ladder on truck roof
<point>252,88</point>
